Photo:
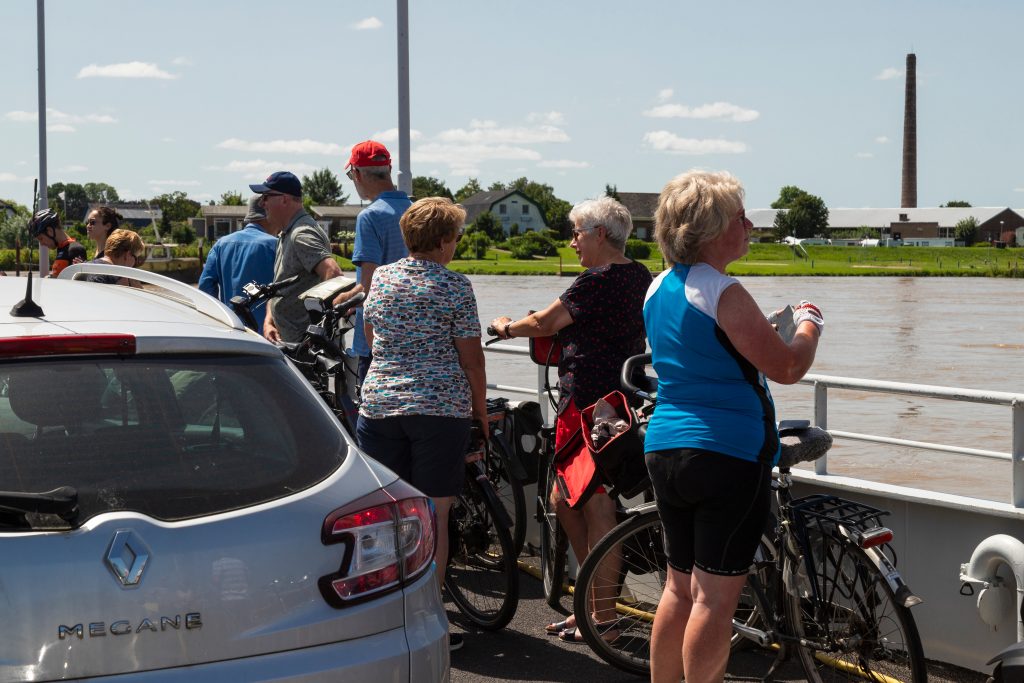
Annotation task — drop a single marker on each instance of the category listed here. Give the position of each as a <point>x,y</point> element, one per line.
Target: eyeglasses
<point>576,232</point>
<point>458,238</point>
<point>267,195</point>
<point>351,172</point>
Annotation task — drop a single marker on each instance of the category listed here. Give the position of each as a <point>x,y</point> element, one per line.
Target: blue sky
<point>205,97</point>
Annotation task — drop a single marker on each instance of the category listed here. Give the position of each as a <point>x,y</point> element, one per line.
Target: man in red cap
<point>378,236</point>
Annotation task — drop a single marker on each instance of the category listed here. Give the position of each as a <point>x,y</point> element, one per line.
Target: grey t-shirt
<point>303,244</point>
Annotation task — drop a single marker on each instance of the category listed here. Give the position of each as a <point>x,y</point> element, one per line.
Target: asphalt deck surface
<point>523,652</point>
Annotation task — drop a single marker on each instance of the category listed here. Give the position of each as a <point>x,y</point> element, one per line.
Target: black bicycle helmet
<point>44,220</point>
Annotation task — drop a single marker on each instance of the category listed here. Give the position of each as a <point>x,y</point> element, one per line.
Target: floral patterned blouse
<point>418,309</point>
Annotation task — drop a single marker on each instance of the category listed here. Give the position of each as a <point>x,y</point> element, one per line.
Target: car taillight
<point>67,344</point>
<point>387,544</point>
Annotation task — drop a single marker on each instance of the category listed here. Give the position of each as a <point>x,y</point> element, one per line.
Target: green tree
<point>177,206</point>
<point>966,231</point>
<point>429,186</point>
<point>957,204</point>
<point>805,214</point>
<point>74,204</point>
<point>101,193</point>
<point>489,224</point>
<point>471,187</point>
<point>182,233</point>
<point>495,186</point>
<point>14,228</point>
<point>230,198</point>
<point>531,244</point>
<point>475,243</point>
<point>324,188</point>
<point>612,191</point>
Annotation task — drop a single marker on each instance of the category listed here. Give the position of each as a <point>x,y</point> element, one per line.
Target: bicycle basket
<point>619,458</point>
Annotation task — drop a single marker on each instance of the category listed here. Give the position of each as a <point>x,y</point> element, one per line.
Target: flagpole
<point>404,153</point>
<point>44,253</point>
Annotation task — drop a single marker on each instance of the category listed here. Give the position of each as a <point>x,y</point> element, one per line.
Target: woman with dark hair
<point>100,222</point>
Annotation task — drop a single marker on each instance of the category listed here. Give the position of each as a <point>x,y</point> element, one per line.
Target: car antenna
<point>26,308</point>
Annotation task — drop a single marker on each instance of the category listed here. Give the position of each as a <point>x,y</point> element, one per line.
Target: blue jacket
<point>236,260</point>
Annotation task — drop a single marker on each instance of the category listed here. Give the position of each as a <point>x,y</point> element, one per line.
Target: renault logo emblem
<point>127,557</point>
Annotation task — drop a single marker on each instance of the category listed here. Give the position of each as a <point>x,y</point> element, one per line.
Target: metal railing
<point>821,385</point>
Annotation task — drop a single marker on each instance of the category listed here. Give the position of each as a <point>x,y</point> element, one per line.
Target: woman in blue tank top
<point>712,441</point>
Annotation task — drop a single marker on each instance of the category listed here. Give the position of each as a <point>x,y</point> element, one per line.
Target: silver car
<point>179,505</point>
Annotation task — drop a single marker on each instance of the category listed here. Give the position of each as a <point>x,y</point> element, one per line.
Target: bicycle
<point>505,471</point>
<point>833,595</point>
<point>483,575</point>
<point>320,355</point>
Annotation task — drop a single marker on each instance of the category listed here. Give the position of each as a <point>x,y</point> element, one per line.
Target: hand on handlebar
<point>805,310</point>
<point>270,332</point>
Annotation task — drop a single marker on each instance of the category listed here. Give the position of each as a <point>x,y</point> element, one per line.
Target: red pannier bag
<point>575,474</point>
<point>619,461</point>
<point>545,350</point>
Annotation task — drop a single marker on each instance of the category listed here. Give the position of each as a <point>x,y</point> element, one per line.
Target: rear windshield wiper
<point>32,509</point>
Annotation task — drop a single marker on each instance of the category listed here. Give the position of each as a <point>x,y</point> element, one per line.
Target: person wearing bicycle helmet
<point>600,324</point>
<point>45,227</point>
<point>712,441</point>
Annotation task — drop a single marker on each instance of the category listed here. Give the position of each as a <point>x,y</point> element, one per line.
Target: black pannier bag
<point>527,421</point>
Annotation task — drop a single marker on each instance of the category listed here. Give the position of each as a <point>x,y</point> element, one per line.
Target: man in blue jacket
<point>240,258</point>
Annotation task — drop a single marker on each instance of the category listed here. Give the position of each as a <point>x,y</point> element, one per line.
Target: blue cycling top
<point>709,396</point>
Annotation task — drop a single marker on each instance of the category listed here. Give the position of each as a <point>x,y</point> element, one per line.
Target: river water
<point>954,332</point>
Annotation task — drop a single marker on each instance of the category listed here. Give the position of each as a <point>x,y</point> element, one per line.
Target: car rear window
<point>170,437</point>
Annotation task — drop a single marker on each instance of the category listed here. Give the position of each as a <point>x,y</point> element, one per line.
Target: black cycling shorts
<point>713,508</point>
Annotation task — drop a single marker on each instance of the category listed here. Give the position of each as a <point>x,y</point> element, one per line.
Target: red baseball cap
<point>369,153</point>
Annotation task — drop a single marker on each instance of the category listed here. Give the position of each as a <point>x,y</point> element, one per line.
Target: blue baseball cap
<point>279,181</point>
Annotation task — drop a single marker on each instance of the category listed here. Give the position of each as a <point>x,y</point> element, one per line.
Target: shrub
<point>638,249</point>
<point>182,233</point>
<point>531,244</point>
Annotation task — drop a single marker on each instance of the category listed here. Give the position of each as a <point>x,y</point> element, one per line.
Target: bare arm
<point>327,269</point>
<point>471,358</point>
<point>366,274</point>
<point>540,324</point>
<point>758,342</point>
<point>269,328</point>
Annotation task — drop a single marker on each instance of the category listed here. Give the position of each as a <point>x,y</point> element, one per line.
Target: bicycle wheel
<point>554,544</point>
<point>857,631</point>
<point>753,606</point>
<point>482,576</point>
<point>509,490</point>
<point>623,575</point>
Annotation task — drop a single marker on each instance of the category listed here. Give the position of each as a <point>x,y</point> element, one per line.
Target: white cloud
<point>57,116</point>
<point>391,135</point>
<point>10,178</point>
<point>483,132</point>
<point>551,118</point>
<point>864,155</point>
<point>563,163</point>
<point>665,94</point>
<point>881,139</point>
<point>304,146</point>
<point>715,110</point>
<point>258,169</point>
<point>166,139</point>
<point>465,155</point>
<point>60,128</point>
<point>125,70</point>
<point>73,168</point>
<point>889,73</point>
<point>664,141</point>
<point>1016,189</point>
<point>466,172</point>
<point>181,61</point>
<point>368,24</point>
<point>176,183</point>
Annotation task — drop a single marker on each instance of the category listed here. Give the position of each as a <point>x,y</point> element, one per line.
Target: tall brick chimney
<point>908,195</point>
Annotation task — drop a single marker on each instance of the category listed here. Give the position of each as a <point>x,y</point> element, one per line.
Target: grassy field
<point>779,259</point>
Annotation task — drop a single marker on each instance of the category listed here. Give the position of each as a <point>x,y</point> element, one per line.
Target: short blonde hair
<point>123,241</point>
<point>695,208</point>
<point>431,221</point>
<point>605,211</point>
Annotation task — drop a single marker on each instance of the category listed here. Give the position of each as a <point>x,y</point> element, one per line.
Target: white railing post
<point>1017,454</point>
<point>542,398</point>
<point>821,420</point>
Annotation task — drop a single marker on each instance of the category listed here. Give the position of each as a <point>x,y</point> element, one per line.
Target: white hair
<point>607,212</point>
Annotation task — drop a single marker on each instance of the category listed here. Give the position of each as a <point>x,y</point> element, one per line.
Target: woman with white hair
<point>712,441</point>
<point>599,319</point>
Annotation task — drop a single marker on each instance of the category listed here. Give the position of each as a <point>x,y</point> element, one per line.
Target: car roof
<point>162,321</point>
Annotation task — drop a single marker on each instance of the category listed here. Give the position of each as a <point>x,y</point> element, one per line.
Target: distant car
<point>179,505</point>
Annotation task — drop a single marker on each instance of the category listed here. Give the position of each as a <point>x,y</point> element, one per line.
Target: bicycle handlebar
<point>629,368</point>
<point>493,333</point>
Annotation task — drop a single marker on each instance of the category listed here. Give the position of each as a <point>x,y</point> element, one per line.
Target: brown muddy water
<point>952,332</point>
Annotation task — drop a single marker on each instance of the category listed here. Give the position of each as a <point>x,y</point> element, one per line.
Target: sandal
<point>559,626</point>
<point>572,634</point>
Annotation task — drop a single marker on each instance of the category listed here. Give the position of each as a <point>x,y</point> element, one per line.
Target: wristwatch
<point>508,332</point>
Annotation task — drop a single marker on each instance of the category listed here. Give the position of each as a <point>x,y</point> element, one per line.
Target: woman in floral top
<point>599,320</point>
<point>426,383</point>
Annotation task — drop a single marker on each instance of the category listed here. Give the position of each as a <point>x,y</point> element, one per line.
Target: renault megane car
<point>177,504</point>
